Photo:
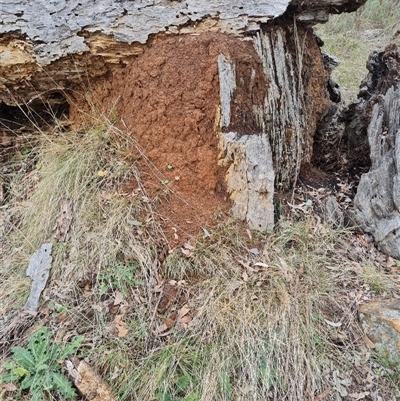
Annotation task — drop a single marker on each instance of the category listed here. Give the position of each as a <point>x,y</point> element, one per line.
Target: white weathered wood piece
<point>39,271</point>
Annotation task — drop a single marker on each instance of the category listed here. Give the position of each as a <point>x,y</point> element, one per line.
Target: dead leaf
<point>359,396</point>
<point>169,323</point>
<point>105,196</point>
<point>72,371</point>
<point>370,378</point>
<point>322,395</point>
<point>162,330</point>
<point>206,232</point>
<point>260,264</point>
<point>266,254</point>
<point>249,234</point>
<point>390,262</point>
<point>159,287</point>
<point>119,298</point>
<point>183,311</point>
<point>333,324</point>
<point>183,318</point>
<point>245,276</point>
<point>120,325</point>
<point>187,253</point>
<point>116,373</point>
<point>186,319</point>
<point>370,344</point>
<point>10,387</point>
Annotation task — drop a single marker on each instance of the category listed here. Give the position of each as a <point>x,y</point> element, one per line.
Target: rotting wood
<point>373,129</point>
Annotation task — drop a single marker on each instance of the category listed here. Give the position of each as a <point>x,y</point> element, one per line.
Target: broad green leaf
<point>47,382</point>
<point>39,345</point>
<point>27,382</point>
<point>71,347</point>
<point>183,383</point>
<point>9,377</point>
<point>192,397</point>
<point>20,372</point>
<point>38,396</point>
<point>24,358</point>
<point>9,365</point>
<point>55,353</point>
<point>62,384</point>
<point>41,368</point>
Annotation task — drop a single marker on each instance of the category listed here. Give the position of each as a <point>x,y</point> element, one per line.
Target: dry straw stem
<point>261,335</point>
<point>258,320</point>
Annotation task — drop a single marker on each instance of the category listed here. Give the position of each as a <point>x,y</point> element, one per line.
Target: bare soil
<point>168,98</point>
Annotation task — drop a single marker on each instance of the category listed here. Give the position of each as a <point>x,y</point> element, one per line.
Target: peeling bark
<point>56,43</point>
<point>373,124</point>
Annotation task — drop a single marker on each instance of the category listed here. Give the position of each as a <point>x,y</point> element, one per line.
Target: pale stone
<point>381,323</point>
<point>333,213</point>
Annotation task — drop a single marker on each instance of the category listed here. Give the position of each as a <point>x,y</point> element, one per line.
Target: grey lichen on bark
<point>54,27</point>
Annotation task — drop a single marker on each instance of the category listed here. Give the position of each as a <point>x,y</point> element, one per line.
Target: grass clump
<point>352,37</point>
<point>232,316</point>
<point>257,327</point>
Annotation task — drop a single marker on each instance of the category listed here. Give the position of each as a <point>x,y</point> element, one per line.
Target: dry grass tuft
<point>352,37</point>
<point>236,316</point>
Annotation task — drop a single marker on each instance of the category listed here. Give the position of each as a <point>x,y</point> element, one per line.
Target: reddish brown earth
<point>168,98</point>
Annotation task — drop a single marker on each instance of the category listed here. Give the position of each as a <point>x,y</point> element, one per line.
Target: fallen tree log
<point>230,92</point>
<point>373,126</point>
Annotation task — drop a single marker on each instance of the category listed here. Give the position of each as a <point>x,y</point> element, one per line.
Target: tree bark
<point>373,126</point>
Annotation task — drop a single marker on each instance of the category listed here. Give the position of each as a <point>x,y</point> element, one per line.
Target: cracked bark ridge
<point>53,44</point>
<point>377,112</point>
<point>54,26</point>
